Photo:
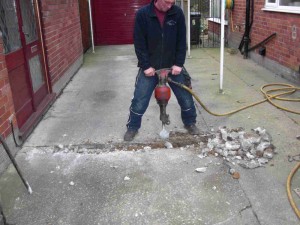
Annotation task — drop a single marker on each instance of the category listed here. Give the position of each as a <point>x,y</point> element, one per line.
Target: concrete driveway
<point>82,172</point>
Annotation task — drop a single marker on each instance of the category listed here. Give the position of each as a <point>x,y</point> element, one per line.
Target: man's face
<point>165,5</point>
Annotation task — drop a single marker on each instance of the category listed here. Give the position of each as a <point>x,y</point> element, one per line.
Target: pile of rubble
<point>249,150</point>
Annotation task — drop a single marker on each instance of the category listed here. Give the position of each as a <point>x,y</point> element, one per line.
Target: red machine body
<point>162,94</point>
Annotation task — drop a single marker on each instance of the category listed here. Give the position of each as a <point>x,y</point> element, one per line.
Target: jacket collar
<point>152,12</point>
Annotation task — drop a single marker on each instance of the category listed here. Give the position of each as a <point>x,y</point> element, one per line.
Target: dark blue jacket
<point>159,47</point>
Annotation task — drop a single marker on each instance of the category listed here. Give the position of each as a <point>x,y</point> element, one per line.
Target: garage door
<point>114,21</point>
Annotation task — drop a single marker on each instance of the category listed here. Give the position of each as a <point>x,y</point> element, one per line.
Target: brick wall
<point>215,28</point>
<point>236,21</point>
<point>283,49</point>
<point>62,34</point>
<point>6,101</point>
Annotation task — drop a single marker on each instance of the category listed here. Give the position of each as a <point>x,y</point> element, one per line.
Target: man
<point>160,42</point>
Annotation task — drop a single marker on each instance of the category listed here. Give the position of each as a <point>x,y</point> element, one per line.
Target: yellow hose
<point>288,189</point>
<point>285,89</point>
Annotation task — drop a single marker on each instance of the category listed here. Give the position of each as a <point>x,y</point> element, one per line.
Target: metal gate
<point>206,23</point>
<point>209,23</point>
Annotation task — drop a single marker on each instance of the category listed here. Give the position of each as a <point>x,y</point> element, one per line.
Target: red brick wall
<point>216,28</point>
<point>6,101</point>
<point>62,34</point>
<point>236,20</point>
<point>282,49</point>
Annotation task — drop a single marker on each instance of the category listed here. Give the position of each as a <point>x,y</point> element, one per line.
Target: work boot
<point>192,129</point>
<point>130,134</point>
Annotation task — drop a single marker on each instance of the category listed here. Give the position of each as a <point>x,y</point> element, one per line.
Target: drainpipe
<point>48,79</point>
<point>247,30</point>
<point>189,29</point>
<point>222,44</point>
<point>91,25</point>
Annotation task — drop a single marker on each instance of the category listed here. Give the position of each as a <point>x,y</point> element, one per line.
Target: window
<point>289,6</point>
<point>215,12</point>
<point>9,26</point>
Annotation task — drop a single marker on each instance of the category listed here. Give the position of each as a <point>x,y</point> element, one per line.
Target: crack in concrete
<point>294,120</point>
<point>248,206</point>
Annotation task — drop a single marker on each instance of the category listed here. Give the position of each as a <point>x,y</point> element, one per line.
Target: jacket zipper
<point>162,42</point>
<point>162,49</point>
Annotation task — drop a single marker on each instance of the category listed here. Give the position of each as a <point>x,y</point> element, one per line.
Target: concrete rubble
<point>201,169</point>
<point>247,149</point>
<point>168,145</point>
<point>126,178</point>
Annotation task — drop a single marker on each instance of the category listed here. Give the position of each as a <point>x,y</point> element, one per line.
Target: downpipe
<point>247,30</point>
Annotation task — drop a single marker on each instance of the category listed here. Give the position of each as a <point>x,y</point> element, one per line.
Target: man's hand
<point>149,72</point>
<point>176,70</point>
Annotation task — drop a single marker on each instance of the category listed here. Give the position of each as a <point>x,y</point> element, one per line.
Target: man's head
<point>164,5</point>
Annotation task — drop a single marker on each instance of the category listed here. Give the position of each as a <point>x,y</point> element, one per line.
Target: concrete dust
<point>164,134</point>
<point>177,139</point>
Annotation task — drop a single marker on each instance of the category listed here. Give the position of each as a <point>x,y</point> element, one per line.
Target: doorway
<point>25,61</point>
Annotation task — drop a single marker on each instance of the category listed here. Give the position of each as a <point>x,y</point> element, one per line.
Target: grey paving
<point>87,186</point>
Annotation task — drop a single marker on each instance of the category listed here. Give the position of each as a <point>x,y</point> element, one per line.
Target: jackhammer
<point>163,95</point>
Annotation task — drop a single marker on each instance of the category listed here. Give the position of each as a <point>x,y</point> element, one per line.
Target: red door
<point>114,21</point>
<point>24,57</point>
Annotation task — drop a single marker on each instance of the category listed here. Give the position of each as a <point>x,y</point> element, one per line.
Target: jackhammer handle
<point>163,69</point>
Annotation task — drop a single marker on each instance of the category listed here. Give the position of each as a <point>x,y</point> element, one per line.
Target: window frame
<point>278,8</point>
<point>212,16</point>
